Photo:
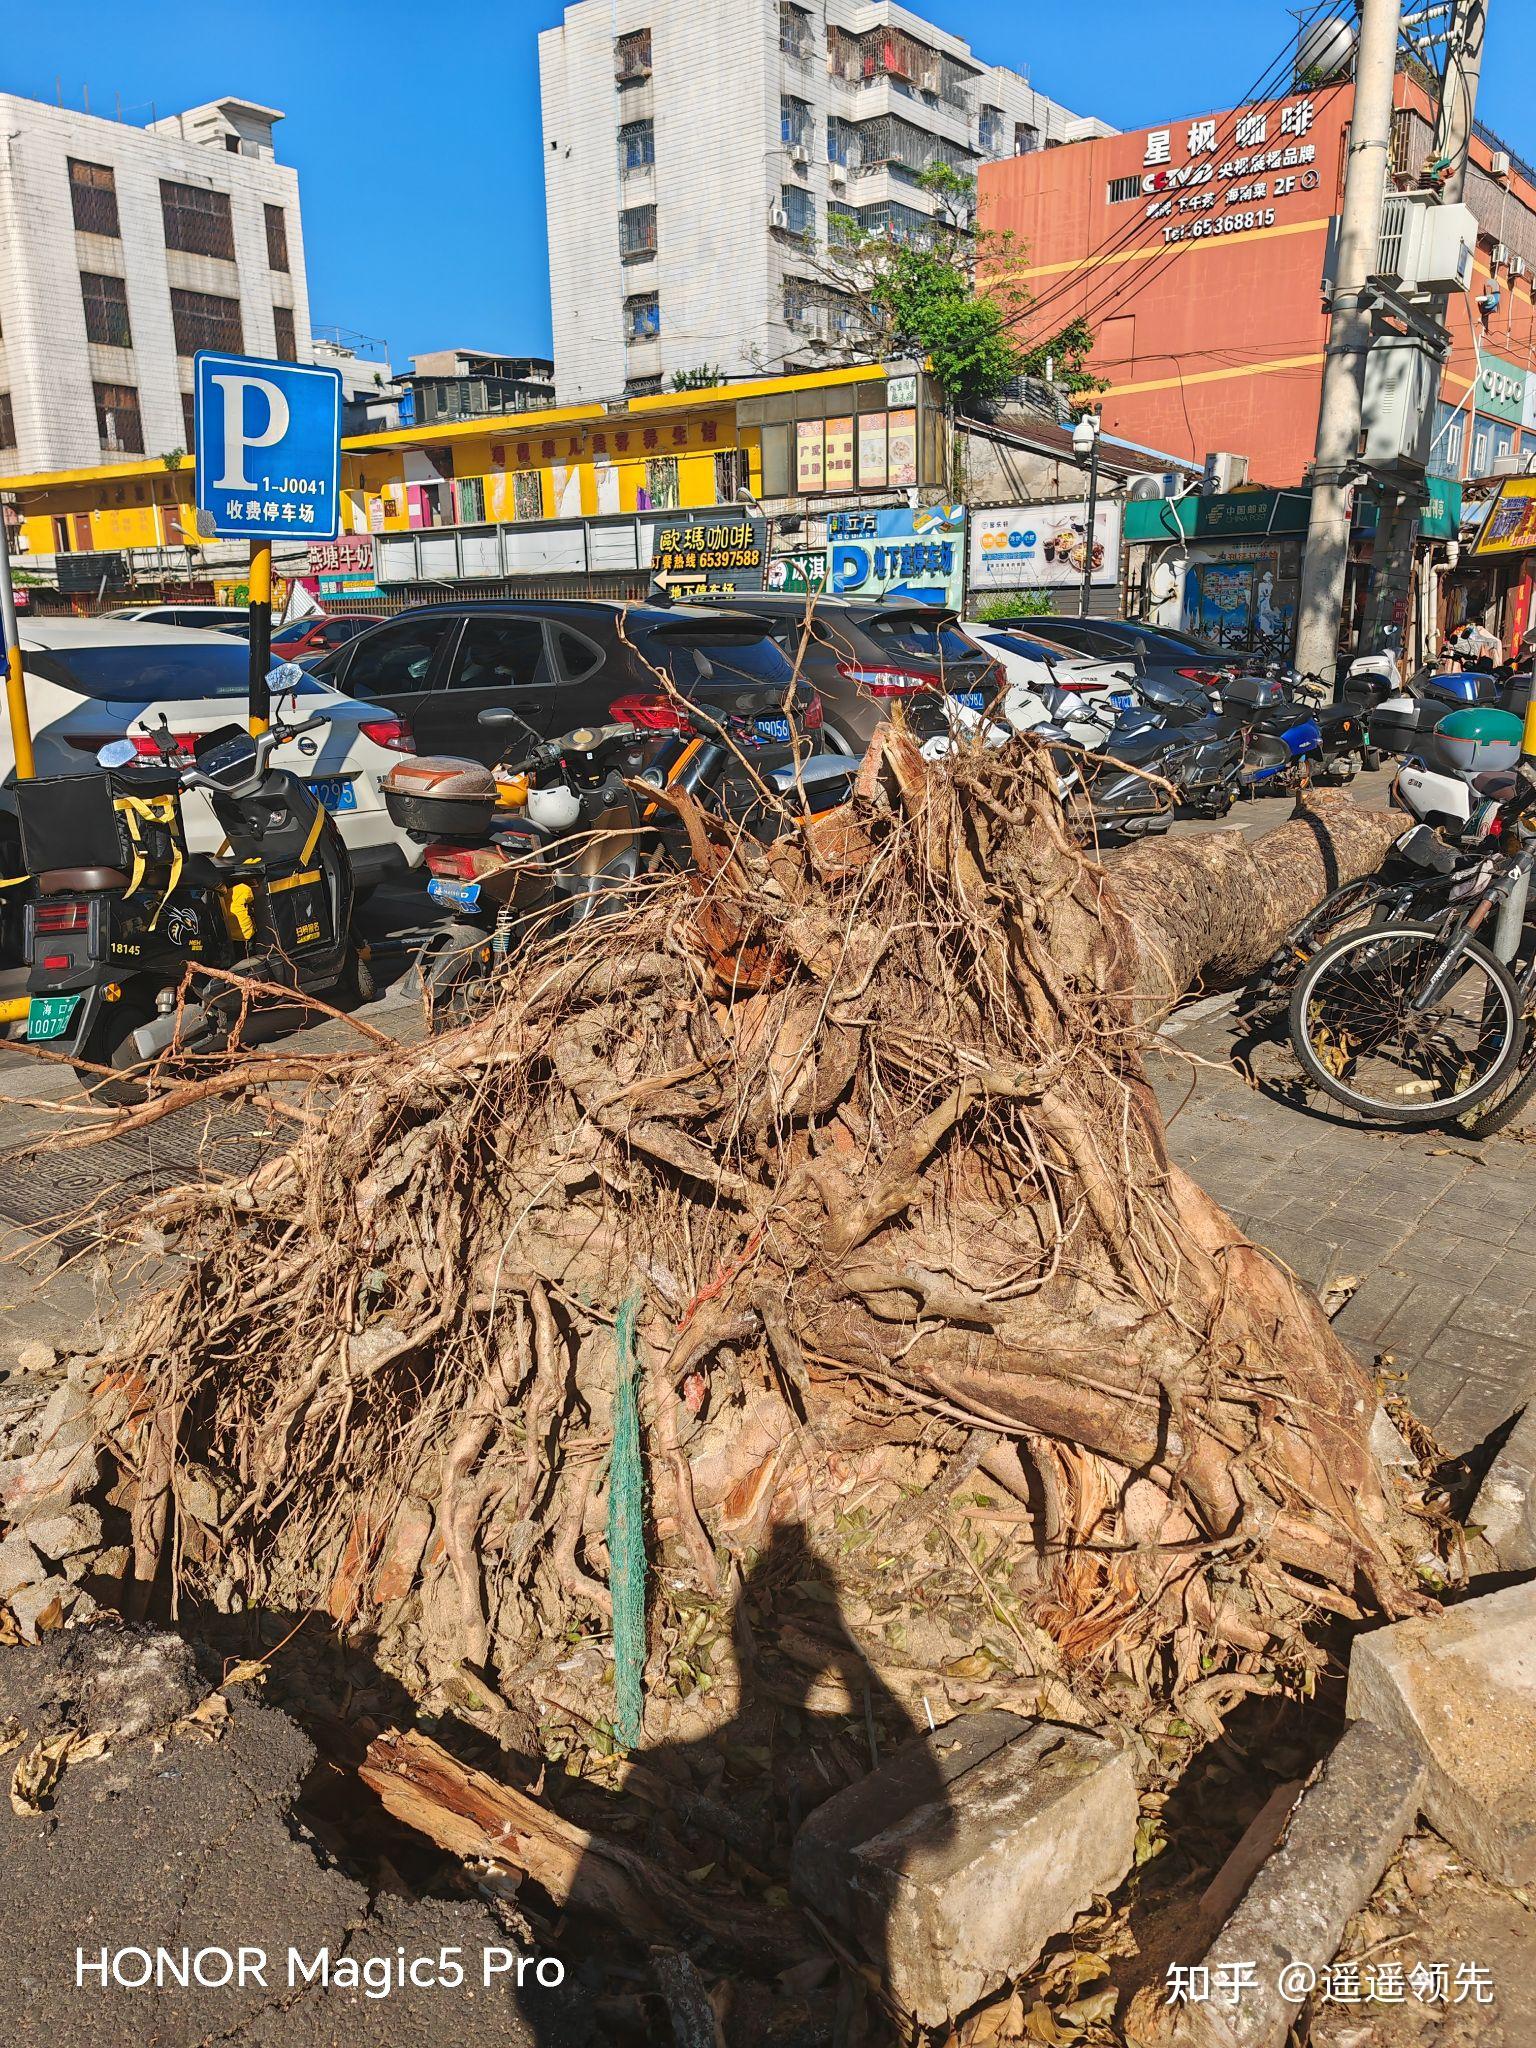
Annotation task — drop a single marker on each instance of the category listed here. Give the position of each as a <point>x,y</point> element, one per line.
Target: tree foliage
<point>952,296</point>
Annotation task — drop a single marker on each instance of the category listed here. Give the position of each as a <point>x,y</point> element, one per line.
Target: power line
<point>1260,96</point>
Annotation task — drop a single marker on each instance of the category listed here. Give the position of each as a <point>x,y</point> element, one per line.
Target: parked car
<point>93,680</point>
<point>860,654</point>
<point>1040,664</point>
<point>1154,649</point>
<point>199,615</point>
<point>302,638</point>
<point>567,662</point>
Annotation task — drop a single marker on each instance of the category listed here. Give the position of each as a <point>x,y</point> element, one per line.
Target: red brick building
<point>1195,249</point>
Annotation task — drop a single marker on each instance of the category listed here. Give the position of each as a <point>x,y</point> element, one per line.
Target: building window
<point>795,125</point>
<point>7,421</point>
<point>202,320</point>
<point>189,419</point>
<point>93,194</point>
<point>637,233</point>
<point>1445,449</point>
<point>661,483</point>
<point>842,141</point>
<point>632,57</point>
<point>637,146</point>
<point>990,131</point>
<point>795,38</point>
<point>527,495</point>
<point>642,387</point>
<point>277,238</point>
<point>117,419</point>
<point>1026,138</point>
<point>469,492</point>
<point>797,212</point>
<point>106,309</point>
<point>642,317</point>
<point>733,473</point>
<point>1123,188</point>
<point>197,220</point>
<point>842,227</point>
<point>287,341</point>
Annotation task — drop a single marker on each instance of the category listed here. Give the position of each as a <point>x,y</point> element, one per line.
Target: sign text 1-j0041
<point>268,448</point>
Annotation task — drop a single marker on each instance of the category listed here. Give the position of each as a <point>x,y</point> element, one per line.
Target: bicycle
<point>1417,1020</point>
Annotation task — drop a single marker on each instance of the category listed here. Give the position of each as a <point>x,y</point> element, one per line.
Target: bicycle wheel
<point>1360,1034</point>
<point>1347,907</point>
<point>1496,1115</point>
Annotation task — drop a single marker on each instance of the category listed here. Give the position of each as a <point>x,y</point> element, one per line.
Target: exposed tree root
<point>863,1119</point>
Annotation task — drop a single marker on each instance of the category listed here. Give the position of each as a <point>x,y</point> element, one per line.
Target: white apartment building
<point>700,157</point>
<point>123,251</point>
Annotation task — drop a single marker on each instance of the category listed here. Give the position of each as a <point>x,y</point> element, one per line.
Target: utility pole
<point>1452,144</point>
<point>1349,338</point>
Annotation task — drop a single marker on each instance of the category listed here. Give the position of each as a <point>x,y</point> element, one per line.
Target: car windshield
<point>942,641</point>
<point>1036,650</point>
<point>162,671</point>
<point>713,657</point>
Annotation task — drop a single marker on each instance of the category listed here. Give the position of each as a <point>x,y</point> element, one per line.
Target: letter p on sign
<point>268,449</point>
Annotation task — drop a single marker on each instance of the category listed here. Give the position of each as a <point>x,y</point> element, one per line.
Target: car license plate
<point>51,1016</point>
<point>772,729</point>
<point>973,700</point>
<point>1121,699</point>
<point>457,895</point>
<point>336,793</point>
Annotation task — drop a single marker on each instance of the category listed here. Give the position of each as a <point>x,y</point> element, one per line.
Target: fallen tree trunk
<point>1207,912</point>
<point>858,1125</point>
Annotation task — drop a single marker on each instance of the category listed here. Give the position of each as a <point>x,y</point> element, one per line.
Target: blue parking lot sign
<point>268,448</point>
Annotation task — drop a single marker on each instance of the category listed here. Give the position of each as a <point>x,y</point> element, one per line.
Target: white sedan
<point>93,680</point>
<point>1039,664</point>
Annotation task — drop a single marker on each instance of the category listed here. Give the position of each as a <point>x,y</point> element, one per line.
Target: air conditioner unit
<point>778,217</point>
<point>1500,254</point>
<point>1425,247</point>
<point>1223,472</point>
<point>1499,163</point>
<point>800,158</point>
<point>837,176</point>
<point>1507,464</point>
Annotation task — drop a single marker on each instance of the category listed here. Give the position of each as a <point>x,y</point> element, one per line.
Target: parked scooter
<point>122,912</point>
<point>557,836</point>
<point>1400,717</point>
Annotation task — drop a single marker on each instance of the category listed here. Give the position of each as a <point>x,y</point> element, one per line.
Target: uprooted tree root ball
<point>859,1125</point>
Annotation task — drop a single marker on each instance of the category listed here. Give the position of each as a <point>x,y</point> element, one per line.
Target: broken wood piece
<point>472,1815</point>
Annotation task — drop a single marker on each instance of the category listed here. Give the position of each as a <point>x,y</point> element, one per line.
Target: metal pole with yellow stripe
<point>260,701</point>
<point>15,680</point>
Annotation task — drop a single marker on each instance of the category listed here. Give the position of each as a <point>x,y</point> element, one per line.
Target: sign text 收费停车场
<point>268,448</point>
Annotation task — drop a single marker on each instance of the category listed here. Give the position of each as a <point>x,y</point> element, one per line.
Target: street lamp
<point>1085,446</point>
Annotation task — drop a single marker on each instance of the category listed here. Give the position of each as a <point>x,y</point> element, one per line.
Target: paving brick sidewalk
<point>1438,1232</point>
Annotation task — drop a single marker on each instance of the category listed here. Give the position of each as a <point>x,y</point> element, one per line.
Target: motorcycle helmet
<point>555,809</point>
<point>1478,742</point>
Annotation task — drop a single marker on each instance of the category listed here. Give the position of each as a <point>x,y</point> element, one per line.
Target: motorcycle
<point>558,836</point>
<point>123,916</point>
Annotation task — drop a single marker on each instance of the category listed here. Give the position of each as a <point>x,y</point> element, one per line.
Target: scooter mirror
<point>501,714</point>
<point>286,677</point>
<point>116,754</point>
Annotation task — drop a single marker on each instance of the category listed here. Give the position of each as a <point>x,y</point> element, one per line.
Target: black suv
<point>861,654</point>
<point>574,661</point>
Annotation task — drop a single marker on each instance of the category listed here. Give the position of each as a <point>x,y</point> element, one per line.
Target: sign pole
<point>260,705</point>
<point>15,678</point>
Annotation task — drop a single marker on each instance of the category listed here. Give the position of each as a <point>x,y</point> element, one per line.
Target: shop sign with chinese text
<point>1225,174</point>
<point>1043,547</point>
<point>912,556</point>
<point>712,554</point>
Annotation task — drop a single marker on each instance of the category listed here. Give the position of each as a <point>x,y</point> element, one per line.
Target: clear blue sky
<point>415,129</point>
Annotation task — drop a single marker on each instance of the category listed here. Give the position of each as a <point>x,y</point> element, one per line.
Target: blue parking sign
<point>268,448</point>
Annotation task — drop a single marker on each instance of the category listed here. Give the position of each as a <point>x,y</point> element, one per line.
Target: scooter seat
<point>79,881</point>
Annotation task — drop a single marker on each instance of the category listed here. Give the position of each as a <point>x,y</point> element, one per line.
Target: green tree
<point>700,378</point>
<point>950,295</point>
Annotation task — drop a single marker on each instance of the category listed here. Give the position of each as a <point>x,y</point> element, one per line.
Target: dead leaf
<point>1089,2011</point>
<point>977,1665</point>
<point>12,1735</point>
<point>1040,2025</point>
<point>206,1719</point>
<point>39,1771</point>
<point>243,1672</point>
